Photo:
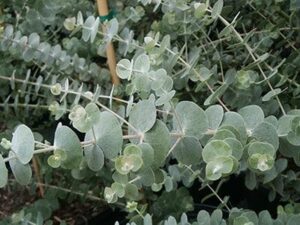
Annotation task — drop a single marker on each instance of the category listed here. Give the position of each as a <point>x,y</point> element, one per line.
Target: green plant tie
<point>108,17</point>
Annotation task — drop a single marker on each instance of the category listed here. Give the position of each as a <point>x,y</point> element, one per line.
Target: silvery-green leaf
<point>131,192</point>
<point>23,143</point>
<point>112,29</point>
<point>217,9</point>
<point>147,176</point>
<point>236,146</point>
<point>90,28</point>
<point>216,94</point>
<point>118,189</point>
<point>22,173</point>
<point>124,69</point>
<point>3,173</point>
<point>217,167</point>
<point>253,115</point>
<point>89,119</point>
<point>66,140</point>
<point>215,149</point>
<point>222,134</point>
<point>271,94</point>
<point>188,151</point>
<point>266,132</point>
<point>214,115</point>
<point>108,134</point>
<point>293,138</point>
<point>165,98</point>
<point>203,218</point>
<point>190,119</point>
<point>142,64</point>
<point>159,138</point>
<point>143,115</point>
<point>261,162</point>
<point>262,148</point>
<point>94,157</point>
<point>236,120</point>
<point>132,149</point>
<point>147,154</point>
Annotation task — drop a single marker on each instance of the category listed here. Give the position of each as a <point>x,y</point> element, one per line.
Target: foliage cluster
<point>209,91</point>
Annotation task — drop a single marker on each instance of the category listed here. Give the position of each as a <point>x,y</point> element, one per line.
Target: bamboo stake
<point>110,51</point>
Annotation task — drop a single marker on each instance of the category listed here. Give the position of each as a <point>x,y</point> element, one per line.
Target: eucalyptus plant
<point>208,92</point>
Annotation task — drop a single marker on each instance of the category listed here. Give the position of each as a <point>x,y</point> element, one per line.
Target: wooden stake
<point>110,51</point>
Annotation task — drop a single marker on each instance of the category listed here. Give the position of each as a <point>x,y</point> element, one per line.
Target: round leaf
<point>143,115</point>
<point>214,115</point>
<point>261,148</point>
<point>266,132</point>
<point>190,119</point>
<point>215,149</point>
<point>236,147</point>
<point>217,167</point>
<point>94,157</point>
<point>261,162</point>
<point>66,140</point>
<point>147,154</point>
<point>124,69</point>
<point>108,134</point>
<point>253,115</point>
<point>23,143</point>
<point>188,151</point>
<point>159,138</point>
<point>22,173</point>
<point>142,63</point>
<point>54,161</point>
<point>90,117</point>
<point>236,120</point>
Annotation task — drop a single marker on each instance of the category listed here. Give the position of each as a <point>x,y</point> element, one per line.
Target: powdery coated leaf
<point>217,167</point>
<point>236,120</point>
<point>143,115</point>
<point>91,117</point>
<point>159,138</point>
<point>266,132</point>
<point>217,9</point>
<point>147,154</point>
<point>131,192</point>
<point>222,134</point>
<point>22,173</point>
<point>118,189</point>
<point>87,27</point>
<point>261,148</point>
<point>261,162</point>
<point>236,146</point>
<point>293,138</point>
<point>108,134</point>
<point>253,115</point>
<point>214,115</point>
<point>3,173</point>
<point>90,28</point>
<point>23,143</point>
<point>215,149</point>
<point>271,94</point>
<point>142,64</point>
<point>124,69</point>
<point>188,151</point>
<point>94,157</point>
<point>190,119</point>
<point>67,140</point>
<point>217,94</point>
<point>203,217</point>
